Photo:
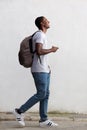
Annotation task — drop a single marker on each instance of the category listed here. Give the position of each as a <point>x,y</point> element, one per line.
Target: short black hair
<point>38,21</point>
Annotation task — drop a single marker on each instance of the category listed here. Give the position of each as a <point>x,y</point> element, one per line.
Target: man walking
<point>41,73</point>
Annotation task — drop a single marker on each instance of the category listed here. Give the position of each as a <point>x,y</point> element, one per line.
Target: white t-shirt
<point>38,66</point>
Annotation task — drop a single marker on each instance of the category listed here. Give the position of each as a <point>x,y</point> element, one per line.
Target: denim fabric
<point>42,81</point>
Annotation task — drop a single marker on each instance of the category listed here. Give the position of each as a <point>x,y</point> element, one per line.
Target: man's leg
<point>41,87</point>
<point>43,108</point>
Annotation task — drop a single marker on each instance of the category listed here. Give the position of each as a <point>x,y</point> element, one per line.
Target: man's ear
<point>42,23</point>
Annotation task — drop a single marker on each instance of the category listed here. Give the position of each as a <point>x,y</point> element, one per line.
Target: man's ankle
<point>18,111</point>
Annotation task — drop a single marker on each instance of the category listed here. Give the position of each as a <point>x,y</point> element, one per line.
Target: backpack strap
<point>31,46</point>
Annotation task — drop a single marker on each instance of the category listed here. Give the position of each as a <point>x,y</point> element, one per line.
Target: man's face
<point>46,23</point>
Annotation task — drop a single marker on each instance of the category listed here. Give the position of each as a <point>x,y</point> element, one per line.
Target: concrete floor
<point>65,121</point>
<point>34,125</point>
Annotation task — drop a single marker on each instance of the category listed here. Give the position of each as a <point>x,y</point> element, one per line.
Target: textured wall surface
<point>68,20</point>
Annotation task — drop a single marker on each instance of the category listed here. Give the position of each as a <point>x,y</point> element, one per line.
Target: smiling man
<point>41,73</point>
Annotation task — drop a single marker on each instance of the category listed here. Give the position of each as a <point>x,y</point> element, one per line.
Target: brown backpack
<point>26,52</point>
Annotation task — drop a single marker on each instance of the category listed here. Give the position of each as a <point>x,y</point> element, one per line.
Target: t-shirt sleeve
<point>39,38</point>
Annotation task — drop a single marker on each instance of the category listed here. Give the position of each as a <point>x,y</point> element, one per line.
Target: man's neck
<point>44,30</point>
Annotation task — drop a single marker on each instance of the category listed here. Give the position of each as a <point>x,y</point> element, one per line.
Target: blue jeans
<point>42,81</point>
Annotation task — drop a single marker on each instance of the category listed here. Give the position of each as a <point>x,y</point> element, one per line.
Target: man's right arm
<point>41,51</point>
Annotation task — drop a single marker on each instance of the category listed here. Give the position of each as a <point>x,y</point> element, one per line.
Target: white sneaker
<point>48,123</point>
<point>19,117</point>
